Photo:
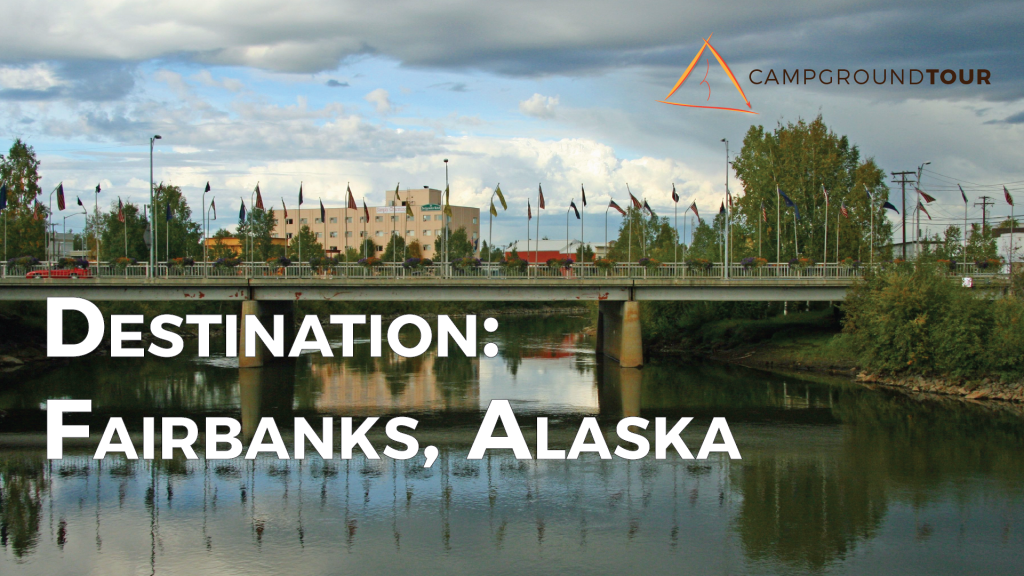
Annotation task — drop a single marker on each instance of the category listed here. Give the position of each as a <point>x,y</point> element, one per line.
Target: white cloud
<point>205,78</point>
<point>539,106</point>
<point>35,77</point>
<point>380,99</point>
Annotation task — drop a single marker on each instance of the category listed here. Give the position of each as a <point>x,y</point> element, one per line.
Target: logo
<point>728,71</point>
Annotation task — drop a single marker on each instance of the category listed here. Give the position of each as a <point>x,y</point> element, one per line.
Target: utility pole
<point>985,203</point>
<point>903,207</point>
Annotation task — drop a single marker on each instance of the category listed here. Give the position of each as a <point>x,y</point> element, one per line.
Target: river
<point>834,477</point>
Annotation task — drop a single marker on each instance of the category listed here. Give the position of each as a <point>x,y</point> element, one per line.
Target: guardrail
<point>261,270</point>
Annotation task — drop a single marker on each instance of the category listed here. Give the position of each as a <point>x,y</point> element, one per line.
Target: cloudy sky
<point>328,92</point>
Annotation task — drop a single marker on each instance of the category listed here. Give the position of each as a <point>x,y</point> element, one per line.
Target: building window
<point>349,219</point>
<point>437,216</point>
<point>302,220</point>
<point>474,220</point>
<point>319,234</point>
<point>289,221</point>
<point>426,246</point>
<point>334,248</point>
<point>316,221</point>
<point>362,234</point>
<point>427,233</point>
<point>394,218</point>
<point>348,234</point>
<point>426,217</point>
<point>378,218</point>
<point>474,235</point>
<point>378,233</point>
<point>335,235</point>
<point>334,220</point>
<point>289,235</point>
<point>380,248</point>
<point>362,219</point>
<point>410,232</point>
<point>275,235</point>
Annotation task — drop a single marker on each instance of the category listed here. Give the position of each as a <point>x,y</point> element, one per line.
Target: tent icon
<point>728,71</point>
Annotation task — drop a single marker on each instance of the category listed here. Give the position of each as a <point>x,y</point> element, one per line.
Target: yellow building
<point>235,244</point>
<point>347,228</point>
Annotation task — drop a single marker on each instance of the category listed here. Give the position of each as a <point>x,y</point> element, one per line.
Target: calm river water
<point>834,478</point>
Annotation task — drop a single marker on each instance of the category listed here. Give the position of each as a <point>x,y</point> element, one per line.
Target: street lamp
<point>443,211</point>
<point>728,209</point>
<point>917,231</point>
<point>152,246</point>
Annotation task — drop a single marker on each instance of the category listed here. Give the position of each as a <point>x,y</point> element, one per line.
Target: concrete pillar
<point>265,311</point>
<point>618,390</point>
<point>618,333</point>
<point>268,391</point>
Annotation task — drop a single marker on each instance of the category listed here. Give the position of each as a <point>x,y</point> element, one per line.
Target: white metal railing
<point>261,270</point>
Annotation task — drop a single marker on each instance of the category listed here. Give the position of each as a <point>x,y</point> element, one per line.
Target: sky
<point>330,93</point>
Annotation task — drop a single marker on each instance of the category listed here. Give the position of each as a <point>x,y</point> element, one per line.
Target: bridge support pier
<point>618,332</point>
<point>265,312</point>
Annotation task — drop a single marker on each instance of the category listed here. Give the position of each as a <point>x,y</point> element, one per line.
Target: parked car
<point>72,273</point>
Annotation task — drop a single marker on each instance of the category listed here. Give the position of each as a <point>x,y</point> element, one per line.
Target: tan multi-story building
<point>347,228</point>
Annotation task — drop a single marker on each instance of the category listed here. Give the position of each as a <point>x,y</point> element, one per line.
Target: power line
<point>985,203</point>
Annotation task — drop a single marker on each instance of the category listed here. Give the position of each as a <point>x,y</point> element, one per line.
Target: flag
<point>501,198</point>
<point>79,201</point>
<point>366,211</point>
<point>241,212</point>
<point>120,210</point>
<point>213,205</point>
<point>922,209</point>
<point>351,200</point>
<point>476,244</point>
<point>1009,199</point>
<point>675,197</point>
<point>721,209</point>
<point>764,213</point>
<point>207,187</point>
<point>323,213</point>
<point>636,203</point>
<point>789,202</point>
<point>284,208</point>
<point>962,195</point>
<point>826,193</point>
<point>540,197</point>
<point>868,192</point>
<point>529,211</point>
<point>845,212</point>
<point>647,208</point>
<point>889,206</point>
<point>494,211</point>
<point>98,190</point>
<point>693,206</point>
<point>300,195</point>
<point>60,196</point>
<point>447,202</point>
<point>572,204</point>
<point>397,199</point>
<point>728,197</point>
<point>612,204</point>
<point>3,196</point>
<point>927,198</point>
<point>408,210</point>
<point>169,215</point>
<point>584,195</point>
<point>259,197</point>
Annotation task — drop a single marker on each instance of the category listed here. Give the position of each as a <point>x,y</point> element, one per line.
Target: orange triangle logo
<point>728,71</point>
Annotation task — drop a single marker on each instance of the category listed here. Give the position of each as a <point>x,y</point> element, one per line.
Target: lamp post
<point>917,225</point>
<point>152,245</point>
<point>728,209</point>
<point>95,225</point>
<point>447,201</point>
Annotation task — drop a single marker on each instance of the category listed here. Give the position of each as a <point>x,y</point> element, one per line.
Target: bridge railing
<point>261,270</point>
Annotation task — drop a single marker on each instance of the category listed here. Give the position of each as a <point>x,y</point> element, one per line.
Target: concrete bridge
<point>266,290</point>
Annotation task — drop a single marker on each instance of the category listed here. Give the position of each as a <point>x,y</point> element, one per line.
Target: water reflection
<point>833,477</point>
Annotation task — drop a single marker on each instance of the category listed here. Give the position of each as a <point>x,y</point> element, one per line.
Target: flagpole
<point>527,237</point>
<point>796,244</point>
<point>567,232</point>
<point>344,216</point>
<point>778,224</point>
<point>759,222</point>
<point>204,233</point>
<point>824,251</point>
<point>536,253</point>
<point>605,229</point>
<point>871,201</point>
<point>675,245</point>
<point>838,221</point>
<point>490,232</point>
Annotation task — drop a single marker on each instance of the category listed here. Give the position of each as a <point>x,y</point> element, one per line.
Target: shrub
<point>282,261</point>
<point>698,264</point>
<point>370,261</point>
<point>81,263</point>
<point>66,263</point>
<point>916,319</point>
<point>121,263</point>
<point>226,262</point>
<point>412,263</point>
<point>467,263</point>
<point>23,261</point>
<point>649,263</point>
<point>513,264</point>
<point>604,263</point>
<point>850,263</point>
<point>753,262</point>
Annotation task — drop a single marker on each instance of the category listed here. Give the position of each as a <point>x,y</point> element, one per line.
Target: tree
<point>183,234</point>
<point>254,233</point>
<point>640,235</point>
<point>25,221</point>
<point>801,159</point>
<point>219,248</point>
<point>981,245</point>
<point>307,240</point>
<point>395,250</point>
<point>459,245</point>
<point>123,239</point>
<point>584,253</point>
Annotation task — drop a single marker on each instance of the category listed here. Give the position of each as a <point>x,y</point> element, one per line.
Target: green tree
<point>219,248</point>
<point>641,236</point>
<point>584,253</point>
<point>395,250</point>
<point>123,239</point>
<point>459,245</point>
<point>25,221</point>
<point>980,243</point>
<point>254,233</point>
<point>801,159</point>
<point>307,240</point>
<point>180,236</point>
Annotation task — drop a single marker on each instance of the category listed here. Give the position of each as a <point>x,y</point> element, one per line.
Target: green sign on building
<point>430,207</point>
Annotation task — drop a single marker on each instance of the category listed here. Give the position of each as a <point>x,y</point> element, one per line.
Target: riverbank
<point>825,353</point>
